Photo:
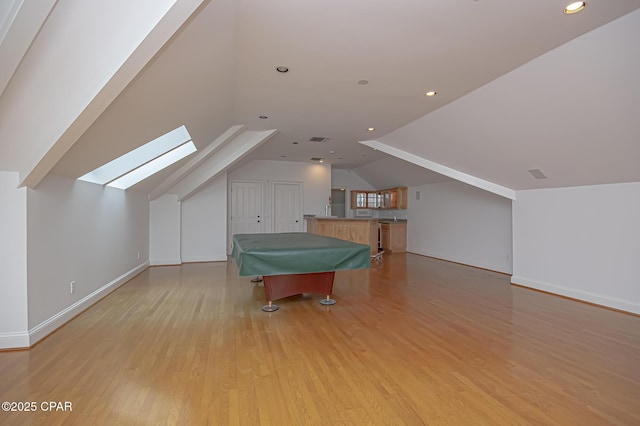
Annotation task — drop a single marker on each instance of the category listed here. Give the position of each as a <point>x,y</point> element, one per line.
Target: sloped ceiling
<point>219,71</point>
<point>189,82</point>
<point>569,113</point>
<point>391,172</point>
<point>24,20</point>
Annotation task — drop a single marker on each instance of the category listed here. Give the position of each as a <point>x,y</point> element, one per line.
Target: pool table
<point>296,262</point>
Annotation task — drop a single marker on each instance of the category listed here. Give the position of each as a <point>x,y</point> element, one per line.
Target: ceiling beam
<point>220,161</point>
<point>443,170</point>
<point>194,162</point>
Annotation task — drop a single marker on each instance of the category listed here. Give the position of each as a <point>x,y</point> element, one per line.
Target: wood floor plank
<point>412,341</point>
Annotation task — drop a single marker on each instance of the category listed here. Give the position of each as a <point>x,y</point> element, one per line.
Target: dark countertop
<point>392,221</point>
<point>382,220</point>
<point>355,219</point>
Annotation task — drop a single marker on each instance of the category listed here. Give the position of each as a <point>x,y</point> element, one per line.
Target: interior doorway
<point>287,207</point>
<point>338,202</point>
<point>246,209</point>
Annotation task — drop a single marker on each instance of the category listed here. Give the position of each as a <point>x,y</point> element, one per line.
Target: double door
<point>248,207</point>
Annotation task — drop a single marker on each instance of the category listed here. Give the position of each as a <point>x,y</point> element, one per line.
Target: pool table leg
<point>271,307</point>
<point>328,301</point>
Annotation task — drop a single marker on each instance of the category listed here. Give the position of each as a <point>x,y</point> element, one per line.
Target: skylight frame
<point>154,166</point>
<point>150,156</point>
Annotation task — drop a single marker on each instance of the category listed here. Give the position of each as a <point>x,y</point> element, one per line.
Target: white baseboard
<point>166,262</point>
<point>470,262</point>
<point>210,258</point>
<point>14,340</point>
<point>585,296</point>
<point>58,320</point>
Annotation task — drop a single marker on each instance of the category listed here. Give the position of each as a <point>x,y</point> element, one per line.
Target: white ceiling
<point>219,71</point>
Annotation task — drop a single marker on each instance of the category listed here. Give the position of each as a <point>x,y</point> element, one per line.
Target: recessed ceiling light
<point>371,129</point>
<point>431,93</point>
<point>282,69</point>
<point>283,156</point>
<point>263,117</point>
<point>363,82</point>
<point>294,143</point>
<point>574,7</point>
<point>332,152</point>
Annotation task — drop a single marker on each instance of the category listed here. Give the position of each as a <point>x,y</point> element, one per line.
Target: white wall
<point>194,230</point>
<point>13,263</point>
<point>348,180</point>
<point>460,223</point>
<point>315,179</point>
<point>82,232</point>
<point>581,242</point>
<point>164,230</point>
<point>204,223</point>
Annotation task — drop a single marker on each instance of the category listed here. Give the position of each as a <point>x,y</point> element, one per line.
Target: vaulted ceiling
<point>520,85</point>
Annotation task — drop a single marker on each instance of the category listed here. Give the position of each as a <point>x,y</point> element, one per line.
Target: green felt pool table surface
<point>296,253</point>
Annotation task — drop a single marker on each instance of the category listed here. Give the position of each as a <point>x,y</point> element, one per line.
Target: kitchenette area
<point>378,220</point>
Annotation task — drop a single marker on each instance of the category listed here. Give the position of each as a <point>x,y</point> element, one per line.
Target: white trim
<point>443,170</point>
<point>61,318</point>
<point>205,258</point>
<point>165,262</point>
<point>462,261</point>
<point>585,296</point>
<point>14,340</point>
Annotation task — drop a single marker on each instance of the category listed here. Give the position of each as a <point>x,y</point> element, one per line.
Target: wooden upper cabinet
<point>403,196</point>
<point>388,199</point>
<point>359,199</point>
<point>366,199</point>
<point>394,198</point>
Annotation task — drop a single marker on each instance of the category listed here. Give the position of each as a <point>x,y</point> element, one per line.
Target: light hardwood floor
<point>413,341</point>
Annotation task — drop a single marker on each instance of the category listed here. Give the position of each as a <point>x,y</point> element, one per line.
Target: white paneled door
<point>246,208</point>
<point>287,208</point>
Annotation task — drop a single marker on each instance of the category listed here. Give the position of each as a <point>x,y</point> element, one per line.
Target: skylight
<point>142,162</point>
<point>153,166</point>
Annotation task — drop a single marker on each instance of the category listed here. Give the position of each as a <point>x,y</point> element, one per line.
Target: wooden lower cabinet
<point>363,231</point>
<point>394,237</point>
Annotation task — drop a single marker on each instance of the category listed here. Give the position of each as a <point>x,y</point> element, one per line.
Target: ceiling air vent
<point>318,139</point>
<point>317,159</point>
<point>537,173</point>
